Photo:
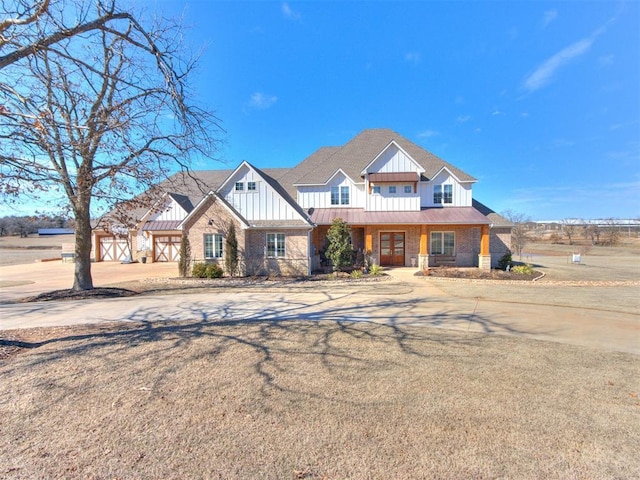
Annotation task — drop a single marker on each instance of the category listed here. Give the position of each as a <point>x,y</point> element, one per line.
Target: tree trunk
<point>82,274</point>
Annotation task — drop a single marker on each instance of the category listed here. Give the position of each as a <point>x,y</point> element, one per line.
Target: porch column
<point>484,259</point>
<point>423,257</point>
<point>368,239</point>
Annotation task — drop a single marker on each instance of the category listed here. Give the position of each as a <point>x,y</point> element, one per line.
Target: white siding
<point>399,201</point>
<point>319,196</point>
<point>264,203</point>
<point>170,211</point>
<point>462,192</point>
<point>393,160</point>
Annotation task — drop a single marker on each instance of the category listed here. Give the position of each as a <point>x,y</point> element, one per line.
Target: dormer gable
<point>392,159</point>
<point>171,207</point>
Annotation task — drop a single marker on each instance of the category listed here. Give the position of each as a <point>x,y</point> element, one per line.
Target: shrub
<point>185,256</point>
<point>206,270</point>
<point>505,260</point>
<point>356,274</point>
<point>339,249</point>
<point>525,269</point>
<point>375,269</point>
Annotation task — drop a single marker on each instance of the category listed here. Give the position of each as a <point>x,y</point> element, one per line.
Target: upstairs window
<point>375,189</point>
<point>443,194</point>
<point>340,195</point>
<point>408,189</point>
<point>392,189</point>
<point>448,194</point>
<point>251,186</point>
<point>239,186</point>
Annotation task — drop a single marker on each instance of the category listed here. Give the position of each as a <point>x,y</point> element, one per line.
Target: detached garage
<point>166,248</point>
<point>112,249</point>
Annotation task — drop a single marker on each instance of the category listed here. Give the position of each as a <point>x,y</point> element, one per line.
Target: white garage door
<point>167,248</point>
<point>113,249</point>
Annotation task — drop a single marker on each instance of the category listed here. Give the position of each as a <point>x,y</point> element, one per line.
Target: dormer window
<point>239,186</point>
<point>251,186</point>
<point>340,195</point>
<point>442,194</point>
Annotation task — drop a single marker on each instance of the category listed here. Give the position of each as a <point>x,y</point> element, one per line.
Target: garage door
<point>167,248</point>
<point>113,249</point>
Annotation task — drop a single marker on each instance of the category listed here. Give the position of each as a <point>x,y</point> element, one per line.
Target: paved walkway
<point>403,300</point>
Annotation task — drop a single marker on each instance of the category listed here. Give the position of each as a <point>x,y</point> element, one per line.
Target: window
<point>344,195</point>
<point>251,186</point>
<point>275,245</point>
<point>335,195</point>
<point>376,189</point>
<point>408,189</point>
<point>239,186</point>
<point>392,189</point>
<point>448,193</point>
<point>438,196</point>
<point>442,243</point>
<point>340,195</point>
<point>212,245</point>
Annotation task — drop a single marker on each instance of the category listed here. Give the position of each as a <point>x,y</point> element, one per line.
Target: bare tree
<point>611,232</point>
<point>97,117</point>
<point>570,229</point>
<point>519,237</point>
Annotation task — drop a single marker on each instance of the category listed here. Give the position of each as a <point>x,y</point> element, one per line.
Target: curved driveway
<point>403,300</point>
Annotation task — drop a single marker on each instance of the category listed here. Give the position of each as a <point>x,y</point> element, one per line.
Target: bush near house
<point>207,270</point>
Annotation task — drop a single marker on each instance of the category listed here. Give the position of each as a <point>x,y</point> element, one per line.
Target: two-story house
<point>405,206</point>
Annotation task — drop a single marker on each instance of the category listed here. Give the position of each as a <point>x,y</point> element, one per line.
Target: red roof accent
<point>157,225</point>
<point>428,216</point>
<point>393,177</point>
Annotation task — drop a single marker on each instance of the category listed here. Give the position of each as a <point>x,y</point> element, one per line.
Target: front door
<point>392,249</point>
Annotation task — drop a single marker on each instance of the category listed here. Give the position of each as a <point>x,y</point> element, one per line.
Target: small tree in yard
<point>519,237</point>
<point>339,250</point>
<point>184,263</point>
<point>231,251</point>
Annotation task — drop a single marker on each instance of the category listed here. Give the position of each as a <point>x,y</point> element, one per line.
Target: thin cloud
<point>261,101</point>
<point>428,134</point>
<point>549,16</point>
<point>545,72</point>
<point>463,118</point>
<point>289,12</point>
<point>412,57</point>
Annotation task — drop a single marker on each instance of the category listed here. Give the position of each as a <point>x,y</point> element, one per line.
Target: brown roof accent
<point>393,177</point>
<point>427,216</point>
<point>161,225</point>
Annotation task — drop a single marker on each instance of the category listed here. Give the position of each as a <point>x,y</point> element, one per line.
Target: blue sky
<point>540,101</point>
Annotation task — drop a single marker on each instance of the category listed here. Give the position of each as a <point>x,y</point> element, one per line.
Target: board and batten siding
<point>171,211</point>
<point>319,196</point>
<point>393,160</point>
<point>398,202</point>
<point>462,192</point>
<point>262,204</point>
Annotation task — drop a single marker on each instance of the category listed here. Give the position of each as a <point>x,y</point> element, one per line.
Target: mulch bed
<point>477,274</point>
<point>68,294</point>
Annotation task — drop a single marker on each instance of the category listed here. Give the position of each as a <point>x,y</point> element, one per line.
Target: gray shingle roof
<point>356,154</point>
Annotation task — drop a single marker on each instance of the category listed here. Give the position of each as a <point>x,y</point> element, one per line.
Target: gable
<point>393,159</point>
<point>171,208</point>
<point>258,197</point>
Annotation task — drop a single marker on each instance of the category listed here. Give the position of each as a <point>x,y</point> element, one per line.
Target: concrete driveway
<point>403,300</point>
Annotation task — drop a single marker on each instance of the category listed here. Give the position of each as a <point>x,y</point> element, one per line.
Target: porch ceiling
<point>428,216</point>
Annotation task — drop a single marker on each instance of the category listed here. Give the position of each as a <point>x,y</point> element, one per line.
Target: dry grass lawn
<point>287,400</point>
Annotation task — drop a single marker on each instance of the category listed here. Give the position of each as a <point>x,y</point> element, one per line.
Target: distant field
<point>17,251</point>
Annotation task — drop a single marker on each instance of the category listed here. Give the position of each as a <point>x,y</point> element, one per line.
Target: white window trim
<point>240,185</point>
<point>276,245</point>
<point>213,245</point>
<point>340,195</point>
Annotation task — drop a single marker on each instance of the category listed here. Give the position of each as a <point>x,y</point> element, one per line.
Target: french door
<point>392,249</point>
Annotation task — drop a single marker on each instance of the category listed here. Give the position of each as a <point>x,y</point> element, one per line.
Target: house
<point>405,207</point>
